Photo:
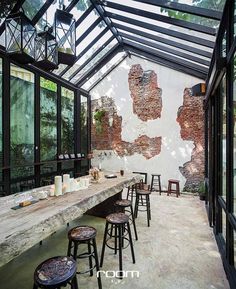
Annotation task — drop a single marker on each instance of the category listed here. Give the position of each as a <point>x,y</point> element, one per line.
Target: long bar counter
<point>23,228</point>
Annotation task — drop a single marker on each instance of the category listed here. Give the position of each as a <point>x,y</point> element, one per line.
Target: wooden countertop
<point>23,228</point>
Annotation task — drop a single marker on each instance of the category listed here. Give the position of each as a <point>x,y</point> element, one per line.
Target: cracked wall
<point>190,117</point>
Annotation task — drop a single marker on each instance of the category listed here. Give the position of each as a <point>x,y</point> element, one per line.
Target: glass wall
<point>67,127</point>
<point>1,152</point>
<point>222,142</point>
<point>223,135</point>
<point>84,132</point>
<point>48,125</point>
<point>21,123</point>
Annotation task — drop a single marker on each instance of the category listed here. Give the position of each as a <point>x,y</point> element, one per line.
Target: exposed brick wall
<point>144,91</point>
<point>110,136</point>
<point>190,117</point>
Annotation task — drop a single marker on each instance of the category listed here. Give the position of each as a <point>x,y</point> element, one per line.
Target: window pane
<point>80,8</point>
<point>84,125</point>
<point>223,225</point>
<point>21,121</point>
<point>32,7</point>
<point>67,127</point>
<point>223,96</point>
<point>67,119</point>
<point>234,249</point>
<point>48,123</point>
<point>1,153</point>
<point>234,97</point>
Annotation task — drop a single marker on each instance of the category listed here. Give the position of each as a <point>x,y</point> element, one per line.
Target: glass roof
<point>174,33</point>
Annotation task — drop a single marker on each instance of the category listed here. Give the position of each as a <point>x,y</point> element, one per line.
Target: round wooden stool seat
<point>117,218</point>
<point>173,181</point>
<point>143,192</point>
<point>123,203</point>
<point>82,233</point>
<point>56,271</point>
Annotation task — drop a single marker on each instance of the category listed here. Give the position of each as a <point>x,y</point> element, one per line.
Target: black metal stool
<point>131,193</point>
<point>143,200</point>
<point>126,207</point>
<point>120,223</point>
<point>156,182</point>
<point>55,273</point>
<point>84,235</point>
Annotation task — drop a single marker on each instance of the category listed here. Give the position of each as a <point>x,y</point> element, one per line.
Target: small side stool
<point>156,182</point>
<point>84,235</point>
<point>120,223</point>
<point>175,190</point>
<point>55,273</point>
<point>143,200</point>
<point>126,207</point>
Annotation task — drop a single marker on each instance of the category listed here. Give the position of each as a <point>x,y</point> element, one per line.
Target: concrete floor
<point>177,251</point>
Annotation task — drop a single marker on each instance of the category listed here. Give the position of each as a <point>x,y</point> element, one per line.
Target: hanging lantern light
<point>64,25</point>
<point>46,53</point>
<point>20,38</point>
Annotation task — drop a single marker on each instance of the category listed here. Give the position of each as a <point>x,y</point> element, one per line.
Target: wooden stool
<point>118,222</point>
<point>55,273</point>
<point>126,207</point>
<point>84,235</point>
<point>156,182</point>
<point>143,200</point>
<point>176,190</point>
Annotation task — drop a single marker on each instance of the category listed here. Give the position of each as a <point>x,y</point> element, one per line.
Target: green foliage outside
<point>208,4</point>
<point>98,117</point>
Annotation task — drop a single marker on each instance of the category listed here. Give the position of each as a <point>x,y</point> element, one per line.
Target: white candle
<point>66,182</point>
<point>58,185</point>
<point>100,166</point>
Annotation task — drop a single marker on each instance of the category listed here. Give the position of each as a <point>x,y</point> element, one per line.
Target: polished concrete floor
<point>178,251</point>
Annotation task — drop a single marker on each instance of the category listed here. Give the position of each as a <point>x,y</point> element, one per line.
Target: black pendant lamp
<point>20,38</point>
<point>64,26</point>
<point>46,54</point>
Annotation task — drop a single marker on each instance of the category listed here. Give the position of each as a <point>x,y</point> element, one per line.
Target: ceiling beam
<point>108,21</point>
<point>166,49</point>
<point>164,40</point>
<point>190,9</point>
<point>168,57</point>
<point>91,57</point>
<point>162,18</point>
<point>166,31</point>
<point>95,40</point>
<point>166,63</point>
<point>108,71</point>
<point>97,66</point>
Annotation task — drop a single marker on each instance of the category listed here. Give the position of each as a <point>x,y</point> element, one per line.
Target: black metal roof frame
<point>169,47</point>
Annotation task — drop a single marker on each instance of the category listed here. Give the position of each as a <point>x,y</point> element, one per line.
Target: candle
<point>100,166</point>
<point>58,185</point>
<point>66,182</point>
<point>52,191</point>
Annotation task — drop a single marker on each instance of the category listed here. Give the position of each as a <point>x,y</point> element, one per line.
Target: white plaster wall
<point>174,151</point>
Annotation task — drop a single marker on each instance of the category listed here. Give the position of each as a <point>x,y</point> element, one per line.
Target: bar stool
<point>126,207</point>
<point>156,182</point>
<point>55,273</point>
<point>131,193</point>
<point>84,235</point>
<point>120,223</point>
<point>143,200</point>
<point>172,190</point>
